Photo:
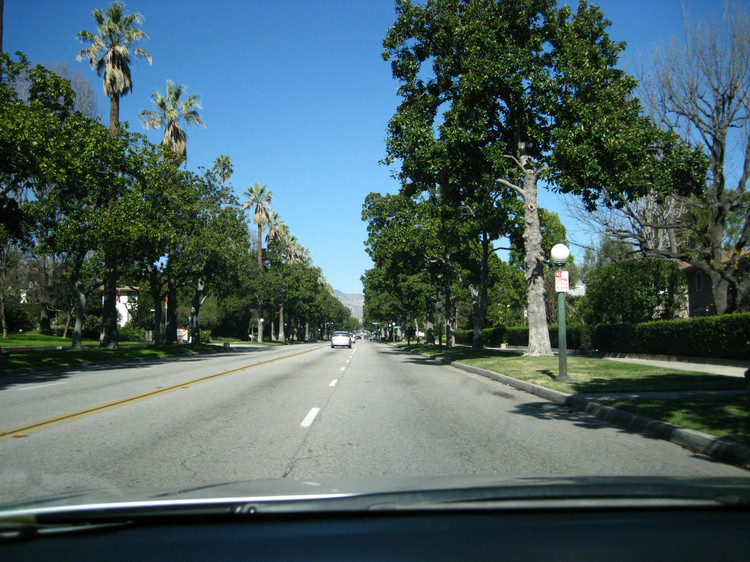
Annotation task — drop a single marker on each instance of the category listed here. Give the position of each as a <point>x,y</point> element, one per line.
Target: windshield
<point>510,298</point>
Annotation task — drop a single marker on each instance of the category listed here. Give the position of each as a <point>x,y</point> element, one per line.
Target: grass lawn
<point>588,374</point>
<point>67,357</point>
<point>728,416</point>
<point>73,357</point>
<point>28,339</point>
<point>723,416</point>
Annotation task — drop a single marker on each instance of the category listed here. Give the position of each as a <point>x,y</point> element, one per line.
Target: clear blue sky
<point>294,91</point>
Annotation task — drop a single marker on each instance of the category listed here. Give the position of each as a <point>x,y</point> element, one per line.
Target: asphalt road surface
<point>303,411</point>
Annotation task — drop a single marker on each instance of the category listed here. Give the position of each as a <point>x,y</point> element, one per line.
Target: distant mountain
<point>354,302</point>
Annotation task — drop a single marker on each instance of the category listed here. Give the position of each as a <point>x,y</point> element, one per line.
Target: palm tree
<point>170,110</point>
<point>109,51</point>
<point>223,168</point>
<point>261,198</point>
<point>276,227</point>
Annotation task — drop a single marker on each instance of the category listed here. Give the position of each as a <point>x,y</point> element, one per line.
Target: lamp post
<point>560,254</point>
<point>439,306</point>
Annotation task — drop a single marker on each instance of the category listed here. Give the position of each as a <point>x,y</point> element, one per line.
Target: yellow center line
<point>73,415</point>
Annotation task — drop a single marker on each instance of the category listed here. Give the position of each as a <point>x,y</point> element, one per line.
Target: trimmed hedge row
<point>726,337</point>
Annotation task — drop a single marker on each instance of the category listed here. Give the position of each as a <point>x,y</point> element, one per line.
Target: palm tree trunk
<point>114,112</point>
<point>260,247</point>
<point>282,335</point>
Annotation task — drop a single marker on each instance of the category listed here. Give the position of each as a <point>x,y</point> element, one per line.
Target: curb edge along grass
<point>715,447</point>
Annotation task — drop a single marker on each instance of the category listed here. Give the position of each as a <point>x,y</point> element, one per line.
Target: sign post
<point>560,254</point>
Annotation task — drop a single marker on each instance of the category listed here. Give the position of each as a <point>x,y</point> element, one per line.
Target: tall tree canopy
<point>109,52</point>
<point>169,110</point>
<point>498,96</point>
<point>698,87</point>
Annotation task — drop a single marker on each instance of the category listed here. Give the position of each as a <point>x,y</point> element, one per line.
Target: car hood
<point>298,495</point>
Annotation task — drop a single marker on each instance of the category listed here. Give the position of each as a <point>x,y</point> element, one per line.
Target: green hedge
<point>463,337</point>
<point>492,337</point>
<point>726,337</point>
<point>518,335</point>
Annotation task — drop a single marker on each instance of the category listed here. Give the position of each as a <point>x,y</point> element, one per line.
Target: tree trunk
<point>479,298</point>
<point>80,316</point>
<point>2,318</point>
<point>68,317</point>
<point>109,311</point>
<point>114,113</point>
<point>153,275</point>
<point>195,333</point>
<point>45,324</point>
<point>720,294</point>
<point>47,288</point>
<point>282,335</point>
<point>171,336</point>
<point>539,343</point>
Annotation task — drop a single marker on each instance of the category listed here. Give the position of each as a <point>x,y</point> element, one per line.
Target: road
<point>305,411</point>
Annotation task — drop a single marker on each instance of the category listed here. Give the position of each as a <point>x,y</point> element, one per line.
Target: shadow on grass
<point>43,366</point>
<point>547,372</point>
<point>660,382</point>
<point>460,353</point>
<point>727,417</point>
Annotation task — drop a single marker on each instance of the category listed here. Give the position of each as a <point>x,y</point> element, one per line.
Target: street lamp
<point>439,306</point>
<point>560,254</point>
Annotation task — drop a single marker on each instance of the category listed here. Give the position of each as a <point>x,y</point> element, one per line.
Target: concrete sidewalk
<point>686,366</point>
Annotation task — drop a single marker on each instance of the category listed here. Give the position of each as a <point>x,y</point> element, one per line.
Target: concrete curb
<point>715,447</point>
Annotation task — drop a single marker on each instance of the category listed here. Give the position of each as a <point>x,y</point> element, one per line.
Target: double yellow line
<point>23,430</point>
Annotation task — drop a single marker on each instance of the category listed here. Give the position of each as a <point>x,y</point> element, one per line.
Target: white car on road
<point>341,339</point>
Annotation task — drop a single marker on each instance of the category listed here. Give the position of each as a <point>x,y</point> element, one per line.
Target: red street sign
<point>561,282</point>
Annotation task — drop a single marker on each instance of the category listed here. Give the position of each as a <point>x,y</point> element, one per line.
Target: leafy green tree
<point>170,110</point>
<point>109,52</point>
<point>412,259</point>
<point>74,171</point>
<point>635,291</point>
<point>32,145</point>
<point>500,95</point>
<point>286,251</point>
<point>213,250</point>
